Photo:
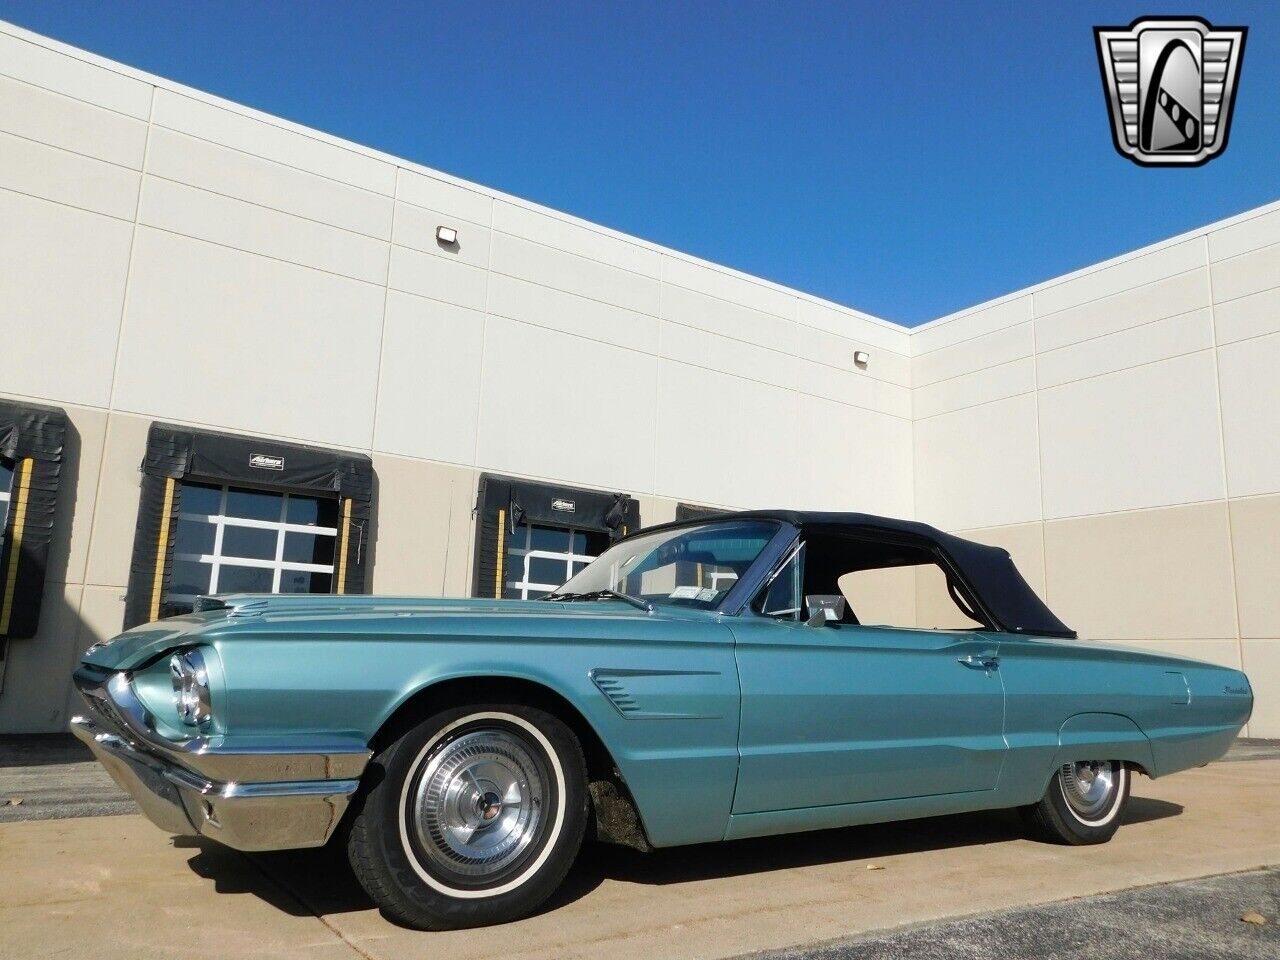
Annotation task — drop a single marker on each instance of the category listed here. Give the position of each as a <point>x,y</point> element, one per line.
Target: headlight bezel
<point>192,698</point>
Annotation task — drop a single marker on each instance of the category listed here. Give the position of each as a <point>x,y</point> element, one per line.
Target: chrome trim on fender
<point>170,779</point>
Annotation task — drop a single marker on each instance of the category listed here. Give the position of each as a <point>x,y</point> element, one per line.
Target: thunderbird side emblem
<point>1170,84</point>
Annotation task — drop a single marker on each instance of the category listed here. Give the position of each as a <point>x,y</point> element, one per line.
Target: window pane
<point>200,498</point>
<point>190,577</point>
<point>308,548</point>
<point>194,536</point>
<point>249,542</point>
<point>312,511</point>
<point>580,543</point>
<point>551,539</point>
<point>233,579</point>
<point>542,570</point>
<point>254,504</point>
<point>299,581</point>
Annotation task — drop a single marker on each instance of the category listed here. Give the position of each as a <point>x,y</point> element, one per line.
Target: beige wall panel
<point>234,173</point>
<point>564,271</point>
<point>563,407</point>
<point>77,493</point>
<point>101,617</point>
<point>1125,310</point>
<point>557,310</point>
<point>1025,543</point>
<point>1144,575</point>
<point>1249,375</point>
<point>1262,665</point>
<point>1096,283</point>
<point>71,74</point>
<point>970,324</point>
<point>1161,340</point>
<point>978,467</point>
<point>115,510</point>
<point>33,169</point>
<point>185,210</point>
<point>436,194</point>
<point>1246,274</point>
<point>837,351</point>
<point>1253,316</point>
<point>439,278</point>
<point>429,398</point>
<point>271,348</point>
<point>415,228</point>
<point>856,388</point>
<point>1257,231</point>
<point>746,459</point>
<point>700,348</point>
<point>968,356</point>
<point>1143,437</point>
<point>62,287</point>
<point>935,610</point>
<point>720,284</point>
<point>859,327</point>
<point>576,238</point>
<point>273,140</point>
<point>971,389</point>
<point>882,597</point>
<point>423,527</point>
<point>1255,544</point>
<point>59,121</point>
<point>693,309</point>
<point>848,458</point>
<point>38,670</point>
<point>1225,653</point>
<point>656,510</point>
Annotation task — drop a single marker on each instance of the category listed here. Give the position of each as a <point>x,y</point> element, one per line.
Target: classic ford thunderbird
<point>702,680</point>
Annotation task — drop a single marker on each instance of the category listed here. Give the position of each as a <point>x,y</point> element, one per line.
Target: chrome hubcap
<point>1088,786</point>
<point>478,803</point>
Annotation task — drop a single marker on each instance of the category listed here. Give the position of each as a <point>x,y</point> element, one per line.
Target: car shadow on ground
<point>319,882</point>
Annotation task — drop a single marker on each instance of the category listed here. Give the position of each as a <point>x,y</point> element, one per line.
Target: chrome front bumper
<point>249,798</point>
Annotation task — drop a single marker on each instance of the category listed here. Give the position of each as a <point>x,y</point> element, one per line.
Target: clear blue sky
<point>905,157</point>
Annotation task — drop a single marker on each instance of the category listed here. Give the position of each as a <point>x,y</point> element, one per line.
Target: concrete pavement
<point>117,887</point>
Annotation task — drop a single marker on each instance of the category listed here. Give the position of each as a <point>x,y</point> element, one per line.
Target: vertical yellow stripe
<point>162,548</point>
<point>502,544</point>
<point>19,506</point>
<point>346,537</point>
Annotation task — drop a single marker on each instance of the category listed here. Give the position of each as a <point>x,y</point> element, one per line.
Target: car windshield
<point>693,566</point>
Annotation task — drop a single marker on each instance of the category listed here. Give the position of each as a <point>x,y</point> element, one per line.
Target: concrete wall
<point>1118,430</point>
<point>168,255</point>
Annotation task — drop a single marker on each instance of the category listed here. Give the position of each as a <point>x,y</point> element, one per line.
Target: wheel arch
<point>1102,736</point>
<point>462,689</point>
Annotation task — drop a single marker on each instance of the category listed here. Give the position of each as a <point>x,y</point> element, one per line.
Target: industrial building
<point>240,354</point>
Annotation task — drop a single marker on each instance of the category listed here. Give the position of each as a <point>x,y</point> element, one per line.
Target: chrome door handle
<point>978,661</point>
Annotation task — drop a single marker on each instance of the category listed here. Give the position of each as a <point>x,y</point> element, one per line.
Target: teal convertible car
<point>699,681</point>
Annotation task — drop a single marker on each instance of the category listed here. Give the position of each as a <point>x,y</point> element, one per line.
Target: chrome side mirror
<point>824,609</point>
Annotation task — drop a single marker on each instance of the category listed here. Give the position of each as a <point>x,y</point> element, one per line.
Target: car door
<point>844,713</point>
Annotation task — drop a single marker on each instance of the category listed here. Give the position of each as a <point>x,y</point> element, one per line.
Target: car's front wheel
<point>471,817</point>
<point>1084,803</point>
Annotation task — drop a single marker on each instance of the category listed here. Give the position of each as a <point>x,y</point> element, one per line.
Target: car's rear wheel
<point>1084,803</point>
<point>471,817</point>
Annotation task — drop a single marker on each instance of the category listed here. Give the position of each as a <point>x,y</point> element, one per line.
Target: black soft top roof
<point>988,572</point>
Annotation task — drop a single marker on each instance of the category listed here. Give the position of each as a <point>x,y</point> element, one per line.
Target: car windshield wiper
<point>644,605</point>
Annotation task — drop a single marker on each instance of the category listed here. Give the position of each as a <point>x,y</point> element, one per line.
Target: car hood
<point>218,616</point>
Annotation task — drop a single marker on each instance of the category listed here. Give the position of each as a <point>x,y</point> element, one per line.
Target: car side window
<point>782,597</point>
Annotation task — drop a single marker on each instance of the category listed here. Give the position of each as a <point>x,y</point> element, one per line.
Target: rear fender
<point>1102,736</point>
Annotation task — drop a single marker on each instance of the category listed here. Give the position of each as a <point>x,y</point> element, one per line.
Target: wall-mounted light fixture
<point>447,235</point>
<point>861,358</point>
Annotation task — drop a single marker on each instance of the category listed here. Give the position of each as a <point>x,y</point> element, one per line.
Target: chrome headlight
<point>190,679</point>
